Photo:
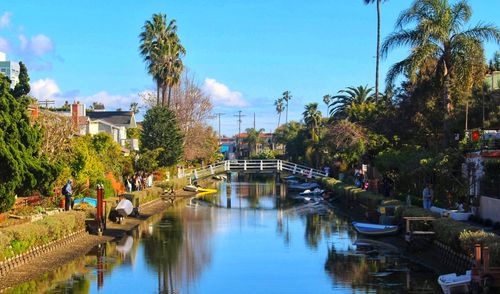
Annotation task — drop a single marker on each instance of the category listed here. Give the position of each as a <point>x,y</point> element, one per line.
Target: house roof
<point>112,117</point>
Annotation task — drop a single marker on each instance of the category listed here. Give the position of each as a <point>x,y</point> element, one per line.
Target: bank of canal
<point>247,238</point>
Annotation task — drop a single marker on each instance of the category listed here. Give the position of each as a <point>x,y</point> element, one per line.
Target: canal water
<point>249,237</point>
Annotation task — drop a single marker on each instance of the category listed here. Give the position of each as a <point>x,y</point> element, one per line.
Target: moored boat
<point>451,283</point>
<point>316,191</point>
<point>375,229</point>
<point>190,188</point>
<point>303,186</point>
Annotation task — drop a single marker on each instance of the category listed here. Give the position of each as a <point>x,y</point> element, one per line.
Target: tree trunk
<point>378,50</point>
<point>279,119</point>
<point>286,112</point>
<point>157,93</point>
<point>169,95</point>
<point>446,107</point>
<point>163,95</point>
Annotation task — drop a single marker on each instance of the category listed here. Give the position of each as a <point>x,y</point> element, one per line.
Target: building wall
<point>93,128</point>
<point>489,208</point>
<point>11,70</point>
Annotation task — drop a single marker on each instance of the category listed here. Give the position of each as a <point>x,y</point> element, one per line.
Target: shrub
<point>18,239</point>
<point>468,239</point>
<point>488,222</point>
<point>141,197</point>
<point>351,193</point>
<point>448,231</point>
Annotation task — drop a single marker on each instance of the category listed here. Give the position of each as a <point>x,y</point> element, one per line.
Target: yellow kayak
<point>206,190</point>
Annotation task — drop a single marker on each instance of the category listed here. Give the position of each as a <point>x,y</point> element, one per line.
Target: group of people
<point>139,182</point>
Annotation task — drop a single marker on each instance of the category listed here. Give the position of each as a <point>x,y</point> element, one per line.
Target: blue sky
<point>245,53</point>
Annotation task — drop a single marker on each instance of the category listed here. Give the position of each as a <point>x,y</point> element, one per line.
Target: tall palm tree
<point>378,43</point>
<point>438,37</point>
<point>162,52</point>
<point>286,97</point>
<point>279,109</point>
<point>327,99</point>
<point>312,118</point>
<point>351,95</point>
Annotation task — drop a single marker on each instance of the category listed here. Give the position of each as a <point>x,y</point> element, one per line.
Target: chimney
<point>77,111</point>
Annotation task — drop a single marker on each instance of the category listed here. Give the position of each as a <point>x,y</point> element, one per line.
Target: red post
<point>99,214</point>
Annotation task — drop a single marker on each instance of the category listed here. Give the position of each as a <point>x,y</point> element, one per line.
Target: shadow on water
<point>258,243</point>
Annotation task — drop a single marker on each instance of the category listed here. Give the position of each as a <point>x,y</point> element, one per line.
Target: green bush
<point>351,193</point>
<point>139,198</point>
<point>18,239</point>
<point>469,239</point>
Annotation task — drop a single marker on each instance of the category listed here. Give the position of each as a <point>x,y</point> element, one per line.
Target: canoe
<point>451,283</point>
<point>375,229</point>
<point>206,190</point>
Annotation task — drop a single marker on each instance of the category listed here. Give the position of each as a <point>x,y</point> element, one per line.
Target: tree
<point>312,118</point>
<point>494,64</point>
<point>348,97</point>
<point>286,97</point>
<point>378,45</point>
<point>278,104</point>
<point>160,130</point>
<point>134,107</point>
<point>97,106</point>
<point>161,49</point>
<point>252,139</point>
<point>327,99</point>
<point>22,88</point>
<point>24,168</point>
<point>439,39</point>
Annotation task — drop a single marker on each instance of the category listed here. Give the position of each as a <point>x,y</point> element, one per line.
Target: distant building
<point>9,69</point>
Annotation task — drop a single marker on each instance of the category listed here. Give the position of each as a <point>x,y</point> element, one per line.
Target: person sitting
<point>124,208</point>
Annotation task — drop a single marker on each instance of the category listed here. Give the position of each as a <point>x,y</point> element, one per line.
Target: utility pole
<point>254,121</point>
<point>220,135</point>
<point>239,115</point>
<point>46,102</point>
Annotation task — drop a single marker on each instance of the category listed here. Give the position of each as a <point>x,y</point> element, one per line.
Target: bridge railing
<point>254,165</point>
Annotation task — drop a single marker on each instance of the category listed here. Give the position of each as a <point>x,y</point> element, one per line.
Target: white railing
<point>254,165</point>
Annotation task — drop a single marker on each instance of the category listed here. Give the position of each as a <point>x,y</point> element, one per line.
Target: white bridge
<point>253,166</point>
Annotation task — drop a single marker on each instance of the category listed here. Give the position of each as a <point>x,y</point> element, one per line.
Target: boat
<point>190,188</point>
<point>303,186</point>
<point>375,229</point>
<point>206,190</point>
<point>451,283</point>
<point>220,178</point>
<point>316,191</point>
<point>90,201</point>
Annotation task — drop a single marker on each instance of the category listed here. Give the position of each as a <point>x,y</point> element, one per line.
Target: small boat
<point>90,201</point>
<point>220,178</point>
<point>375,229</point>
<point>206,190</point>
<point>303,186</point>
<point>451,283</point>
<point>316,191</point>
<point>190,188</point>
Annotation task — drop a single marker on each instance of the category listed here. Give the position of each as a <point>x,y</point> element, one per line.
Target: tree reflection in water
<point>179,248</point>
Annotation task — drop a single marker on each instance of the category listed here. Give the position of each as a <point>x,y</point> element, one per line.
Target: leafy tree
<point>327,99</point>
<point>147,161</point>
<point>160,130</point>
<point>134,107</point>
<point>494,64</point>
<point>23,87</point>
<point>348,97</point>
<point>24,169</point>
<point>378,44</point>
<point>294,136</point>
<point>252,139</point>
<point>279,109</point>
<point>439,41</point>
<point>312,118</point>
<point>97,106</point>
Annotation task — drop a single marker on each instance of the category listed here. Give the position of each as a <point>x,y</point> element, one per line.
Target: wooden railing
<point>253,166</point>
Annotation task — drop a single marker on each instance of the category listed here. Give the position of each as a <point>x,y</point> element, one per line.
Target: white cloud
<point>23,42</point>
<point>222,95</point>
<point>41,44</point>
<point>44,89</point>
<point>5,19</point>
<point>4,45</point>
<point>110,101</point>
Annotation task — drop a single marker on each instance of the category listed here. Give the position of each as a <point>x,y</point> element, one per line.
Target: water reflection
<point>245,238</point>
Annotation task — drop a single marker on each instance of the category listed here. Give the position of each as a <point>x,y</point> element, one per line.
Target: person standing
<point>427,195</point>
<point>68,193</point>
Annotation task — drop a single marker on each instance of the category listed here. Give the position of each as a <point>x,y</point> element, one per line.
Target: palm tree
<point>438,38</point>
<point>252,139</point>
<point>286,97</point>
<point>327,99</point>
<point>279,108</point>
<point>312,118</point>
<point>348,97</point>
<point>134,107</point>
<point>162,52</point>
<point>378,44</point>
